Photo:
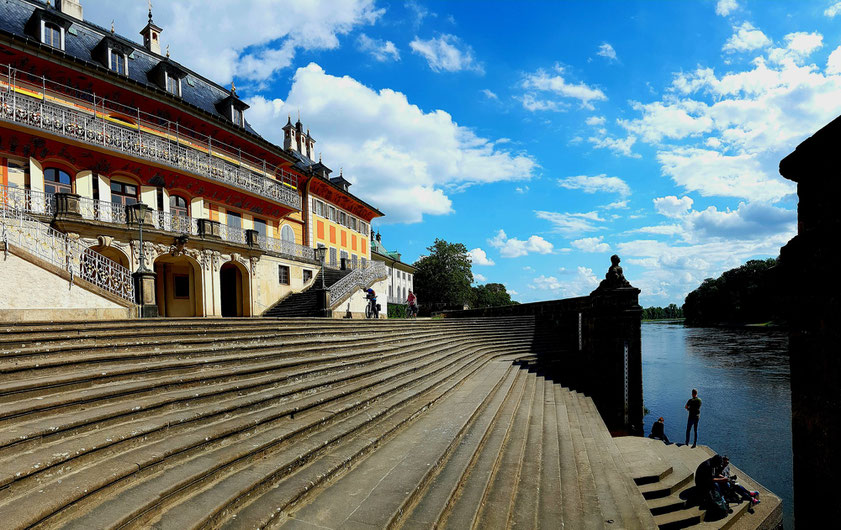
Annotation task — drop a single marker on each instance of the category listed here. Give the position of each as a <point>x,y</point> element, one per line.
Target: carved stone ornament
<point>104,241</point>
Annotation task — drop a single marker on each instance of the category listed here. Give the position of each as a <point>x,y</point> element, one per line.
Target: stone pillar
<point>614,371</point>
<point>251,238</point>
<point>144,289</point>
<point>68,205</point>
<point>809,270</point>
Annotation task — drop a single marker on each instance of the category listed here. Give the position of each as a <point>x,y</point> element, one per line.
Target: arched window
<point>56,181</point>
<point>52,35</point>
<point>123,194</point>
<point>287,234</point>
<point>178,206</point>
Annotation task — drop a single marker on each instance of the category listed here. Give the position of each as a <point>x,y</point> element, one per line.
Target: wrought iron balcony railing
<point>85,117</point>
<point>289,248</point>
<point>357,279</point>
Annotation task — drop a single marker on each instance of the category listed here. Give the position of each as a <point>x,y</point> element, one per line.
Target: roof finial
<point>319,158</point>
<point>167,51</point>
<point>112,26</point>
<point>233,88</point>
<point>48,3</point>
<point>150,11</point>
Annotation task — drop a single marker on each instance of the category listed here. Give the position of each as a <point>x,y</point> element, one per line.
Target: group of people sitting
<point>715,487</point>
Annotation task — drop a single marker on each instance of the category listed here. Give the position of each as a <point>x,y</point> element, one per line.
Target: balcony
<point>90,119</point>
<point>65,205</point>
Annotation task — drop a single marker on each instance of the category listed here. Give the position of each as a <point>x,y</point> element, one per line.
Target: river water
<point>742,377</point>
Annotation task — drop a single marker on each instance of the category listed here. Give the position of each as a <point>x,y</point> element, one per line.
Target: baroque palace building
<point>108,146</point>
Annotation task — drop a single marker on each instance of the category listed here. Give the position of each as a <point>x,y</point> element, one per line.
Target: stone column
<point>614,373</point>
<point>144,289</point>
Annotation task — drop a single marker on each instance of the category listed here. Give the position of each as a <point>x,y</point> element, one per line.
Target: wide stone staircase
<point>300,423</point>
<point>305,303</point>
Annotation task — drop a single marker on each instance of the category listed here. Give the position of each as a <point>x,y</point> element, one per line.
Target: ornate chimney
<point>152,35</point>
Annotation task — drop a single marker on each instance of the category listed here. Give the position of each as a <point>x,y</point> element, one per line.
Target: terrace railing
<point>65,111</point>
<point>289,248</point>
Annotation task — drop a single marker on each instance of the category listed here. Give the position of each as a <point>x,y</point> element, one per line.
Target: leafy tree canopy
<point>660,313</point>
<point>491,295</point>
<point>746,294</point>
<point>443,277</point>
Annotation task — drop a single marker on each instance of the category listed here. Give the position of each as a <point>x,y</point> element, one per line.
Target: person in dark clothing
<point>708,480</point>
<point>694,408</point>
<point>731,489</point>
<point>658,432</point>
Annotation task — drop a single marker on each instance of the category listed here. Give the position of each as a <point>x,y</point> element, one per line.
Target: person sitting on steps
<point>658,431</point>
<point>732,490</point>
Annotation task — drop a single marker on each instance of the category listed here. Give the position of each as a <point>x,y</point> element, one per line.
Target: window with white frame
<point>287,234</point>
<point>117,62</point>
<point>52,35</point>
<point>172,84</point>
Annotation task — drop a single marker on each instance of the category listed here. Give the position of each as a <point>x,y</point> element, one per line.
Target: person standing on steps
<point>694,408</point>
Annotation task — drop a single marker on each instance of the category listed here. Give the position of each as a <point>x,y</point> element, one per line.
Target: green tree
<point>443,277</point>
<point>746,294</point>
<point>491,295</point>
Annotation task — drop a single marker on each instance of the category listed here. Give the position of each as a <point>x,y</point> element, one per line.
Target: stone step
<point>275,480</point>
<point>442,489</point>
<point>27,345</point>
<point>524,510</point>
<point>42,382</point>
<point>497,503</point>
<point>53,376</point>
<point>624,489</point>
<point>463,507</point>
<point>271,508</point>
<point>571,503</point>
<point>115,469</point>
<point>592,513</point>
<point>44,454</point>
<point>550,501</point>
<point>140,423</point>
<point>375,492</point>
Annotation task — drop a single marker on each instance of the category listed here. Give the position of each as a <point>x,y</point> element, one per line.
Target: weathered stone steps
<point>119,461</point>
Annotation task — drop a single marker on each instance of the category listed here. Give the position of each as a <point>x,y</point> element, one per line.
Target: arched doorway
<point>234,290</point>
<point>178,287</point>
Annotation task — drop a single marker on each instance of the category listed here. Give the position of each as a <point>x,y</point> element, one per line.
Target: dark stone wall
<point>587,344</point>
<point>814,314</point>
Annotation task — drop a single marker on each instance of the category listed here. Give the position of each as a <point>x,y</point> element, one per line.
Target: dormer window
<point>168,76</point>
<point>233,108</point>
<point>52,35</point>
<point>117,62</point>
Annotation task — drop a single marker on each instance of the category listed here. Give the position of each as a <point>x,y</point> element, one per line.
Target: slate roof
<point>83,37</point>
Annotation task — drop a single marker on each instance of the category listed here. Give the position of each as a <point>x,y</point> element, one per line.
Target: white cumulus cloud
<point>480,257</point>
<point>397,156</point>
<point>514,248</point>
<point>725,7</point>
<point>446,53</point>
<point>833,10</point>
<point>746,38</point>
<point>381,50</point>
<point>571,224</point>
<point>606,50</point>
<point>591,244</point>
<point>671,206</point>
<point>555,84</point>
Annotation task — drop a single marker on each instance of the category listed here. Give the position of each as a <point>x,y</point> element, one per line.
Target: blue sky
<point>545,136</point>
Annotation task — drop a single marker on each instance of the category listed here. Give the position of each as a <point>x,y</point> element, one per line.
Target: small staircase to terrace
<point>306,303</point>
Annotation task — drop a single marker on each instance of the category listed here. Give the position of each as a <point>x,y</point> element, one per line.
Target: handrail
<point>357,279</point>
<point>290,248</point>
<point>87,119</point>
<point>26,232</point>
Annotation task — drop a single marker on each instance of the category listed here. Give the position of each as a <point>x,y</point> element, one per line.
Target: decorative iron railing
<point>26,232</point>
<point>357,279</point>
<point>88,118</point>
<point>233,234</point>
<point>181,224</point>
<point>24,200</point>
<point>108,212</point>
<point>289,248</point>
